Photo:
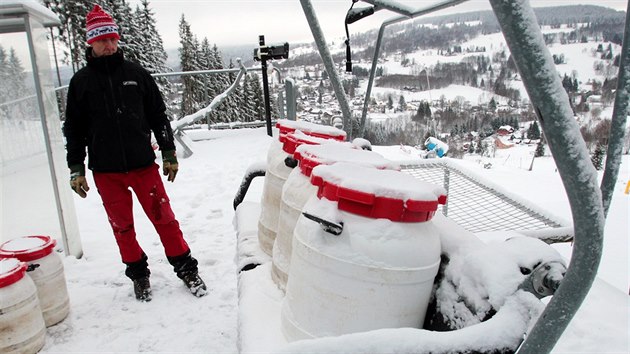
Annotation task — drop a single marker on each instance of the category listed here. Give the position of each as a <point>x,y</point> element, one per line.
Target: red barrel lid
<point>28,248</point>
<point>376,194</point>
<point>296,138</point>
<point>310,156</point>
<point>11,271</point>
<point>321,131</point>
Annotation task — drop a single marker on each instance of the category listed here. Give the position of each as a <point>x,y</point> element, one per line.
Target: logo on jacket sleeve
<point>130,83</point>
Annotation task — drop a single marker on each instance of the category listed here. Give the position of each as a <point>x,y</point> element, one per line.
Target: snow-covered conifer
<point>402,105</point>
<point>534,131</point>
<point>257,97</point>
<point>540,149</point>
<point>14,94</point>
<point>71,33</point>
<point>153,55</point>
<point>597,158</point>
<point>233,102</point>
<point>188,62</point>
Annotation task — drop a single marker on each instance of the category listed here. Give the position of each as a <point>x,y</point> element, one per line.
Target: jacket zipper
<point>117,116</point>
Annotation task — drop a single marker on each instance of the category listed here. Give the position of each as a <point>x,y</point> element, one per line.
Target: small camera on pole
<point>271,52</point>
<point>262,54</point>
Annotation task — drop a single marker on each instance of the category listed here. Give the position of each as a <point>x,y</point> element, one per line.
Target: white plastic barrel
<point>48,274</point>
<point>379,271</point>
<point>277,173</point>
<point>22,328</point>
<point>298,189</point>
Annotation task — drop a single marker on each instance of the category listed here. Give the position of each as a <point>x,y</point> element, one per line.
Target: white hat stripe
<point>99,31</point>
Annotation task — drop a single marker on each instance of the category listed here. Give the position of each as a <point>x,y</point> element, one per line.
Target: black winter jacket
<point>113,105</point>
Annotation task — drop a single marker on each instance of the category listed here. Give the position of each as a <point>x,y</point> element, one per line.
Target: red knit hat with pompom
<point>100,25</point>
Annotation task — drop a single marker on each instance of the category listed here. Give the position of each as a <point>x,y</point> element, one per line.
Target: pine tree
<point>479,149</point>
<point>188,60</point>
<point>4,88</point>
<point>220,82</point>
<point>598,156</point>
<point>4,74</point>
<point>533,132</point>
<point>206,90</point>
<point>14,87</point>
<point>567,84</point>
<point>15,71</point>
<point>248,108</point>
<point>492,105</point>
<point>257,97</point>
<point>540,149</point>
<point>274,109</point>
<point>390,102</point>
<point>154,56</point>
<point>233,101</point>
<point>402,105</point>
<point>514,123</point>
<point>419,113</point>
<point>217,64</point>
<point>71,33</point>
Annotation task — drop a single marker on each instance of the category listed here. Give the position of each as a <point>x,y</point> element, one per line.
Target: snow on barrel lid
<point>27,248</point>
<point>296,138</point>
<point>11,270</point>
<point>310,156</point>
<point>322,131</point>
<point>375,193</point>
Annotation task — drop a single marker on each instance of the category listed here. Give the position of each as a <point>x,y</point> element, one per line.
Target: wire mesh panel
<point>478,207</point>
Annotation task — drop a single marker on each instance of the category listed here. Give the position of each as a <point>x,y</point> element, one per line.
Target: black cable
<point>348,52</point>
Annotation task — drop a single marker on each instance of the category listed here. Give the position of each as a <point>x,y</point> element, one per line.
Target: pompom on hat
<point>100,25</point>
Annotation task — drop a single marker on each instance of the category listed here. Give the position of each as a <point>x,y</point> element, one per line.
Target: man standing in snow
<point>113,106</point>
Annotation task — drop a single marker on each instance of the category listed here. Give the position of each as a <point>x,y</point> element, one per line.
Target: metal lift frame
<point>555,116</point>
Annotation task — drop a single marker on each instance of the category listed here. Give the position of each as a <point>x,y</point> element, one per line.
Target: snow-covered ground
<point>105,317</point>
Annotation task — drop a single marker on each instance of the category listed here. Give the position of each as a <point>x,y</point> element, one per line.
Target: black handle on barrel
<point>328,226</point>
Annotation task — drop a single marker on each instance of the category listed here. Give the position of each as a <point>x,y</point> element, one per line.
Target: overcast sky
<point>239,22</point>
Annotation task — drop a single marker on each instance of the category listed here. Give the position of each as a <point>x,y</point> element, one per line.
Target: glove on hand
<point>169,164</point>
<point>78,183</point>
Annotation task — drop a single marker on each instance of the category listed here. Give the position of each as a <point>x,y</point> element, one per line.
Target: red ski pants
<point>149,189</point>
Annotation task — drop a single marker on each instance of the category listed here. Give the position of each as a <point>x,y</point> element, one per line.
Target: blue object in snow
<point>434,144</point>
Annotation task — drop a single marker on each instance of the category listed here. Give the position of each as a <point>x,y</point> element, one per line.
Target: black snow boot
<point>186,268</point>
<point>142,288</point>
<point>139,273</point>
<point>194,283</point>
